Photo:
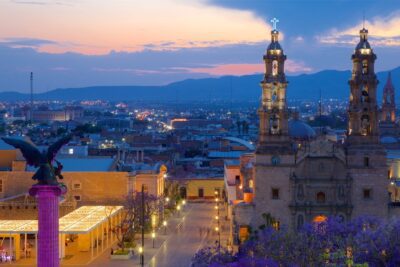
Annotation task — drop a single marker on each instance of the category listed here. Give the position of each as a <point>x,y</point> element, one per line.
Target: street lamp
<point>153,236</point>
<point>217,229</point>
<point>141,256</point>
<point>165,227</point>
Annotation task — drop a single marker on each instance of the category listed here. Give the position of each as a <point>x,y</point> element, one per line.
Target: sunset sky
<point>74,43</point>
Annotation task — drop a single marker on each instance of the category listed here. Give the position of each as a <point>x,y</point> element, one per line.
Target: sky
<point>78,43</point>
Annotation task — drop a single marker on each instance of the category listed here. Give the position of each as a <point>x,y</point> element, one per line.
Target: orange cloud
<point>382,32</point>
<point>100,26</point>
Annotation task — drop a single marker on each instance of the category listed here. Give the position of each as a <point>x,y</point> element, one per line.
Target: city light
<point>140,249</point>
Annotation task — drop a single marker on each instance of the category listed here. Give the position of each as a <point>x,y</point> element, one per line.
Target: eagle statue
<point>47,174</point>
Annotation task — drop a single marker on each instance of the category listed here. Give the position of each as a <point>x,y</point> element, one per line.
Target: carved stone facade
<point>298,181</point>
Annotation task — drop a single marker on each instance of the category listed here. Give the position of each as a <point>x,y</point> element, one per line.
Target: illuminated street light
<point>216,217</point>
<point>216,207</point>
<point>217,229</point>
<point>141,256</point>
<point>183,202</point>
<point>167,199</point>
<point>153,236</point>
<point>165,227</point>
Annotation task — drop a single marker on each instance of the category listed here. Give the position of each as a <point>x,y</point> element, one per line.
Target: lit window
<point>77,186</point>
<point>276,225</point>
<point>71,151</point>
<point>77,197</point>
<point>274,67</point>
<point>251,183</point>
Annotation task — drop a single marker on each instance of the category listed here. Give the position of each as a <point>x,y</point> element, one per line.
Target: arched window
<point>274,67</point>
<point>365,125</point>
<point>365,67</point>
<point>364,94</point>
<point>321,197</point>
<point>274,123</point>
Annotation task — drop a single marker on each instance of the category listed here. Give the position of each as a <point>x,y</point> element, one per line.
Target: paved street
<point>179,245</point>
<point>180,248</point>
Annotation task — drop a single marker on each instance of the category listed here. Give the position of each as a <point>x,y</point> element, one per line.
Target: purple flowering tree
<point>366,241</point>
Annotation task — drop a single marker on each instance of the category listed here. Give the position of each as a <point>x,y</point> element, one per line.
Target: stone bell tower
<point>274,156</point>
<point>365,156</point>
<point>273,111</point>
<point>363,125</point>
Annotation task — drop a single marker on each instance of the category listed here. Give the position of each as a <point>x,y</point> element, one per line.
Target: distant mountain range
<point>332,83</point>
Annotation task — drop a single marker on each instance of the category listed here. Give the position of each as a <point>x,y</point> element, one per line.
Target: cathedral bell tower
<point>365,156</point>
<point>273,112</point>
<point>363,125</point>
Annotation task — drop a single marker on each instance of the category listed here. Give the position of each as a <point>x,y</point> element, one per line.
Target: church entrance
<point>319,219</point>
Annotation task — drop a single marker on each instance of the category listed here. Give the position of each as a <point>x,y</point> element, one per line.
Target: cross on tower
<point>274,22</point>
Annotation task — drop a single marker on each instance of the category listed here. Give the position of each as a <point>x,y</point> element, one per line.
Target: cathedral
<point>296,176</point>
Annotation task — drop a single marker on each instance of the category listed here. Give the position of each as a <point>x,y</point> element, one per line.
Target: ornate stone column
<point>48,247</point>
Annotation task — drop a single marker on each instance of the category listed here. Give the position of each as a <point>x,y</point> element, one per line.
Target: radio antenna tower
<point>31,104</point>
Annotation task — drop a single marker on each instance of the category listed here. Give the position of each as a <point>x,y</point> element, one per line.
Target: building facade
<point>300,177</point>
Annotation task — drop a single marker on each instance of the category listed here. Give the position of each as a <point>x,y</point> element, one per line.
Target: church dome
<point>300,130</point>
<point>388,140</point>
<point>363,44</point>
<point>274,46</point>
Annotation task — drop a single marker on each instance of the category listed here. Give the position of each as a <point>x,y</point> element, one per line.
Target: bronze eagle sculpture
<point>47,173</point>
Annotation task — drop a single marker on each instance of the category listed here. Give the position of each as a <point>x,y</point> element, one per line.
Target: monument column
<point>48,233</point>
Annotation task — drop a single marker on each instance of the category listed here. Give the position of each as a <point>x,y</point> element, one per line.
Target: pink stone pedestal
<point>48,197</point>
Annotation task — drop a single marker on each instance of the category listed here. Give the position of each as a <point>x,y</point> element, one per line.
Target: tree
<point>366,241</point>
<point>131,220</point>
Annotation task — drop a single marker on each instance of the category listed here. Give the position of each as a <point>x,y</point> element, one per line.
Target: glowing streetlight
<point>216,199</point>
<point>216,207</point>
<point>153,236</point>
<point>217,229</point>
<point>167,199</point>
<point>216,217</point>
<point>183,202</point>
<point>141,256</point>
<point>165,227</point>
<point>178,207</point>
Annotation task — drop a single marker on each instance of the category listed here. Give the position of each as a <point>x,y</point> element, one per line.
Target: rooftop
<point>81,220</point>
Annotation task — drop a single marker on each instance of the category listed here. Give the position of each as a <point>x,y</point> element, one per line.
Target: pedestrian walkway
<point>174,249</point>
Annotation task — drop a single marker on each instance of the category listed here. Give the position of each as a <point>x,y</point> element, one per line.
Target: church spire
<point>388,101</point>
<point>273,110</point>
